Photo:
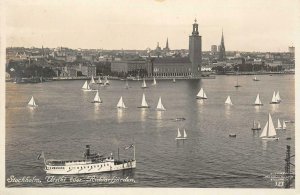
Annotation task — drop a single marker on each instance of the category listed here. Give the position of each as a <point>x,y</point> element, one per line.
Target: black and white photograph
<point>149,94</point>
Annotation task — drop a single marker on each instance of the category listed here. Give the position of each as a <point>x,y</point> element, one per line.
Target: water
<point>66,121</point>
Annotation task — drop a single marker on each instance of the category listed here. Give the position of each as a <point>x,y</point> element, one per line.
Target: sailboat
<point>257,101</point>
<point>174,81</point>
<point>92,80</point>
<point>255,78</point>
<point>278,125</point>
<point>86,87</point>
<point>269,132</point>
<point>274,99</point>
<point>160,106</point>
<point>154,81</point>
<point>201,94</point>
<point>144,103</point>
<point>127,85</point>
<point>106,81</point>
<point>237,79</point>
<point>228,101</point>
<point>97,98</point>
<point>32,103</point>
<point>278,97</point>
<point>144,84</point>
<point>99,81</point>
<point>179,137</point>
<point>283,125</point>
<point>121,103</point>
<point>256,125</point>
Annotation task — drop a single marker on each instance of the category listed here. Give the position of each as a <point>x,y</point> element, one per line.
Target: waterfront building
<point>89,70</point>
<point>170,67</point>
<point>222,55</point>
<point>195,51</point>
<point>129,66</point>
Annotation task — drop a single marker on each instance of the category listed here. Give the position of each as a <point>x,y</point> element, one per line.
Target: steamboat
<point>91,163</point>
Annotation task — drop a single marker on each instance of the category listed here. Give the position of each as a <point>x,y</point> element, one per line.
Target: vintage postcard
<point>145,96</point>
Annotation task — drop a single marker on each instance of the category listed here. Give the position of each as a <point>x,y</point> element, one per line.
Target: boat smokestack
<point>87,151</point>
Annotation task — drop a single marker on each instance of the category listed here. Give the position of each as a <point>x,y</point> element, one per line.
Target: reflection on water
<point>264,144</point>
<point>120,115</point>
<point>274,107</point>
<point>143,114</point>
<point>159,115</point>
<point>257,108</point>
<point>227,111</point>
<point>96,108</point>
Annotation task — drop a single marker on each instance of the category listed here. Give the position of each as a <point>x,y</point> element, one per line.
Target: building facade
<point>171,67</point>
<point>195,51</point>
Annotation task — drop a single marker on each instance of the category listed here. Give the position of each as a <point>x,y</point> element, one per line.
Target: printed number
<point>279,183</point>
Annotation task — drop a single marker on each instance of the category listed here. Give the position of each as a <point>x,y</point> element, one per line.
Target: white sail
<point>257,100</point>
<point>178,133</point>
<point>228,101</point>
<point>92,80</point>
<point>97,97</point>
<point>85,85</point>
<point>274,99</point>
<point>99,80</point>
<point>144,102</point>
<point>269,130</point>
<point>32,102</point>
<point>144,84</point>
<point>121,103</point>
<point>278,124</point>
<point>283,125</point>
<point>278,97</point>
<point>265,130</point>
<point>201,94</point>
<point>106,81</point>
<point>174,81</point>
<point>184,134</point>
<point>154,81</point>
<point>160,106</point>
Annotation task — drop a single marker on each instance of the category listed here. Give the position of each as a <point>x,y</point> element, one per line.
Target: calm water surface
<point>66,121</point>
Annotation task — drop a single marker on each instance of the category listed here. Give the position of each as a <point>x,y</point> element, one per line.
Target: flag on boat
<point>41,155</point>
<point>127,147</point>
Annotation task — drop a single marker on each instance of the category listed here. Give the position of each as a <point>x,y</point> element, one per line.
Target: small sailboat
<point>274,99</point>
<point>86,87</point>
<point>106,81</point>
<point>160,106</point>
<point>144,84</point>
<point>279,127</point>
<point>283,125</point>
<point>121,103</point>
<point>255,78</point>
<point>278,97</point>
<point>126,85</point>
<point>144,103</point>
<point>228,101</point>
<point>269,132</point>
<point>174,81</point>
<point>237,79</point>
<point>99,81</point>
<point>32,103</point>
<point>92,80</point>
<point>97,98</point>
<point>232,135</point>
<point>256,125</point>
<point>154,81</point>
<point>201,94</point>
<point>257,101</point>
<point>179,137</point>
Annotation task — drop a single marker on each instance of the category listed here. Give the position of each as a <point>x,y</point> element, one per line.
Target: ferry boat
<point>91,163</point>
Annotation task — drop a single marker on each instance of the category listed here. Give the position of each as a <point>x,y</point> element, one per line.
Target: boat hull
<point>201,98</point>
<point>257,104</point>
<point>256,129</point>
<point>89,168</point>
<point>270,138</point>
<point>274,102</point>
<point>143,106</point>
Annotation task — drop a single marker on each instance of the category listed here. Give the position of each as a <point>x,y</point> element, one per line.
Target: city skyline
<point>247,26</point>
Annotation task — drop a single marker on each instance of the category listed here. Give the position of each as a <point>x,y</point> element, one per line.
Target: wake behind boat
<point>91,163</point>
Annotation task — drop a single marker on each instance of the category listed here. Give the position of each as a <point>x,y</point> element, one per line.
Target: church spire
<point>167,44</point>
<point>222,54</point>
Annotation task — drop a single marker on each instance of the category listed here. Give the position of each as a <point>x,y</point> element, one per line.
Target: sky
<point>248,25</point>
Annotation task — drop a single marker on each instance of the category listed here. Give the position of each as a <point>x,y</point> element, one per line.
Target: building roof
<point>171,60</point>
